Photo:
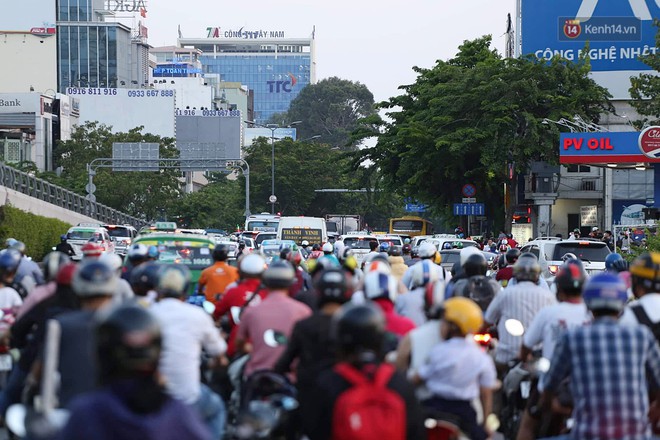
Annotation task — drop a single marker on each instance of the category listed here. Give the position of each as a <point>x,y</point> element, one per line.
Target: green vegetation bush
<point>38,233</point>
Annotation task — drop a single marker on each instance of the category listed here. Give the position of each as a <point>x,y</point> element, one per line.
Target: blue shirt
<point>608,364</point>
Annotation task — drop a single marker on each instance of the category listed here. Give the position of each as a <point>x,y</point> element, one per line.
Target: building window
<point>579,169</point>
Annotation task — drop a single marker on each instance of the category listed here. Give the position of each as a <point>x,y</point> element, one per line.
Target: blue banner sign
<point>415,207</point>
<point>469,209</point>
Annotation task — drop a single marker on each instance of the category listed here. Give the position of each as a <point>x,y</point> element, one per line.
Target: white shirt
<point>422,341</point>
<point>411,305</point>
<point>521,301</point>
<point>9,298</point>
<point>651,305</point>
<point>186,329</point>
<point>441,274</point>
<point>457,368</point>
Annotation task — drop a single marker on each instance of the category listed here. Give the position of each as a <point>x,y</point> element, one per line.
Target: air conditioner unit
<point>588,185</point>
<point>12,150</point>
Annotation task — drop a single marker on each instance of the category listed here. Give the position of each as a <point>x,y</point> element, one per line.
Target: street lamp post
<point>272,127</point>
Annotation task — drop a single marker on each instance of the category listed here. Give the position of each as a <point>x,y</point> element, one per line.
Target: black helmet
<point>527,268</point>
<point>332,285</point>
<point>94,278</point>
<point>394,251</point>
<point>359,328</point>
<point>316,247</point>
<point>220,252</point>
<point>52,264</point>
<point>174,280</point>
<point>570,277</point>
<point>475,264</point>
<point>279,275</point>
<point>128,343</point>
<point>284,253</point>
<point>145,278</point>
<point>512,255</point>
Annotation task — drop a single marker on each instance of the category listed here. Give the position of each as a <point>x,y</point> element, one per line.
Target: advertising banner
<point>300,234</point>
<point>623,147</point>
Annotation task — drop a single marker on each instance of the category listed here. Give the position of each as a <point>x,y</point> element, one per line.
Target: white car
<point>79,235</point>
<point>359,244</point>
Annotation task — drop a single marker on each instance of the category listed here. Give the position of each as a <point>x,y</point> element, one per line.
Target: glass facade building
<point>275,70</point>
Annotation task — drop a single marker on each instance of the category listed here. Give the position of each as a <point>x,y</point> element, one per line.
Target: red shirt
<point>397,324</point>
<point>237,297</point>
<point>506,273</point>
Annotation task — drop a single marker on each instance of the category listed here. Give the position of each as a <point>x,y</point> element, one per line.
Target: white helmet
<point>422,274</point>
<point>380,285</point>
<point>252,265</point>
<point>466,252</point>
<point>426,250</point>
<point>305,243</point>
<point>112,260</point>
<point>328,247</point>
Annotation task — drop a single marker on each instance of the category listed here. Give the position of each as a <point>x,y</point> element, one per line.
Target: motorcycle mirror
<point>543,365</point>
<point>15,419</point>
<point>514,327</point>
<point>208,307</point>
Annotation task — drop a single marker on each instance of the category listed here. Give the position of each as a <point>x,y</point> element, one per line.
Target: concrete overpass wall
<point>39,207</point>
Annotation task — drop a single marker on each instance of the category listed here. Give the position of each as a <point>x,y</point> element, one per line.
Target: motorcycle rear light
<point>482,338</point>
<point>553,269</point>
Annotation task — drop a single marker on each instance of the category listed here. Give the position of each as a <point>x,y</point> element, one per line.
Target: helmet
<point>252,266</point>
<point>379,285</point>
<point>384,247</point>
<point>112,260</point>
<point>475,264</point>
<point>137,252</point>
<point>422,273</point>
<point>645,271</point>
<point>332,285</point>
<point>279,275</point>
<point>92,250</point>
<point>569,256</point>
<point>466,252</point>
<point>153,252</point>
<point>594,229</point>
<point>503,248</point>
<point>377,263</point>
<point>174,280</point>
<point>17,245</point>
<point>316,247</point>
<point>328,248</point>
<point>220,252</point>
<point>241,244</point>
<point>406,241</point>
<point>464,313</point>
<point>407,248</point>
<point>358,328</point>
<point>63,237</point>
<point>65,274</point>
<point>434,297</point>
<point>9,261</point>
<point>305,243</point>
<point>94,278</point>
<point>394,251</point>
<point>527,268</point>
<point>620,266</point>
<point>414,252</point>
<point>512,255</point>
<point>128,344</point>
<point>605,291</point>
<point>10,241</point>
<point>145,278</point>
<point>52,264</point>
<point>571,277</point>
<point>611,259</point>
<point>446,245</point>
<point>426,250</point>
<point>348,260</point>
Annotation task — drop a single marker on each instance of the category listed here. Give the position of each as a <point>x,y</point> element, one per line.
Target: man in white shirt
<point>9,262</point>
<point>187,329</point>
<point>645,278</point>
<point>549,325</point>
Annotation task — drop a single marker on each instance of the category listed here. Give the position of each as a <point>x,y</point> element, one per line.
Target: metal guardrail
<point>41,189</point>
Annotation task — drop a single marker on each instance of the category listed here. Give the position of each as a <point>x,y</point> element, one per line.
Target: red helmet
<point>92,249</point>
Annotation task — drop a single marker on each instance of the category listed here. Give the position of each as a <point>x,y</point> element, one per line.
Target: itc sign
<point>126,5</point>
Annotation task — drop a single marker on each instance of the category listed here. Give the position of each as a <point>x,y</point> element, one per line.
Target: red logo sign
<point>42,31</point>
<point>649,142</point>
<point>572,28</point>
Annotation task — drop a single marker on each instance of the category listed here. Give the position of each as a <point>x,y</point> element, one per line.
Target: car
<point>232,246</point>
<point>192,250</point>
<point>359,244</point>
<point>82,233</point>
<point>260,237</point>
<point>271,248</point>
<point>392,240</point>
<point>452,256</point>
<point>122,235</point>
<point>449,241</point>
<point>551,250</point>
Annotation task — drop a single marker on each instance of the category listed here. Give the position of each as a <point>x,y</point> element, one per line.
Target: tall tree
<point>645,88</point>
<point>331,109</point>
<point>467,119</point>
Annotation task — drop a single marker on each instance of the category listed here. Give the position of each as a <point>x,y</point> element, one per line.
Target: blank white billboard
<point>125,109</point>
<point>36,16</point>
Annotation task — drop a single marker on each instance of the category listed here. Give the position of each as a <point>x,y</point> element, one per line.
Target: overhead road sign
<point>469,209</point>
<point>415,207</point>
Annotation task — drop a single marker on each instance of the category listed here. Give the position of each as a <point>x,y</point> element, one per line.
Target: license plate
<point>525,388</point>
<point>5,362</point>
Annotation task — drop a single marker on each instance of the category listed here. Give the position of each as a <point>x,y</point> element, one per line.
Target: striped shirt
<point>521,301</point>
<point>608,364</point>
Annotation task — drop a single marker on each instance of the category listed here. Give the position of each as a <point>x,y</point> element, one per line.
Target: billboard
<point>209,137</point>
<point>125,109</point>
<point>618,32</point>
<point>607,147</point>
<point>280,133</point>
<point>30,16</point>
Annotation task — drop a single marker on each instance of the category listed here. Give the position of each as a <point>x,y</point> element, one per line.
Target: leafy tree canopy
<point>645,88</point>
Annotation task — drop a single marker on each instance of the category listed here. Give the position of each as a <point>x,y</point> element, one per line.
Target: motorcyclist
<point>383,289</point>
<point>29,273</point>
<point>406,253</point>
<point>51,263</point>
<point>132,403</point>
<point>10,261</point>
<point>457,371</point>
<point>92,250</point>
<point>186,330</point>
<point>457,273</point>
<point>124,290</point>
<point>477,286</point>
<point>397,263</point>
<point>241,249</point>
<point>214,279</point>
<point>64,247</point>
<point>144,280</point>
<point>426,251</point>
<point>304,248</point>
<point>136,255</point>
<point>414,256</point>
<point>645,277</point>
<point>506,273</point>
<point>411,303</point>
<point>328,253</point>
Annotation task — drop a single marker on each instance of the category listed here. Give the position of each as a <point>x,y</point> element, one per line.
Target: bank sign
<point>618,31</point>
<point>603,148</point>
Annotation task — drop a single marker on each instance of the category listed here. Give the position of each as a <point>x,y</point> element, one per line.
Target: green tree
<point>645,88</point>
<point>468,118</point>
<point>141,194</point>
<point>331,109</point>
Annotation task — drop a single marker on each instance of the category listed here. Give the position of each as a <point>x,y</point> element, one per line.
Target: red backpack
<point>368,410</point>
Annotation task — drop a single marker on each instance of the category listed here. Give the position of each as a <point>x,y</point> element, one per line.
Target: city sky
<point>374,42</point>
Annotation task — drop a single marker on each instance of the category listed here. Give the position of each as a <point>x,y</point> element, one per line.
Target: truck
<point>345,223</point>
<point>311,229</point>
<point>263,222</point>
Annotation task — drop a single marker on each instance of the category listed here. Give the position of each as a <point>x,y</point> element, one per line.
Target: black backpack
<point>480,289</point>
<point>644,319</point>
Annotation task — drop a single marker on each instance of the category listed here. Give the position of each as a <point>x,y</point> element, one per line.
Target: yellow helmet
<point>464,313</point>
<point>437,258</point>
<point>646,269</point>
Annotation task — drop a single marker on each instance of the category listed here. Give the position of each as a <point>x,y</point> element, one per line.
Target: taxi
<point>77,236</point>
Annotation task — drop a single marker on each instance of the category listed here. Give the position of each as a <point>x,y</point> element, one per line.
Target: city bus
<point>410,225</point>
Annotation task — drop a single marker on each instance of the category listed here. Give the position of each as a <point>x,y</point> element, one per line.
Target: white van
<point>302,228</point>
